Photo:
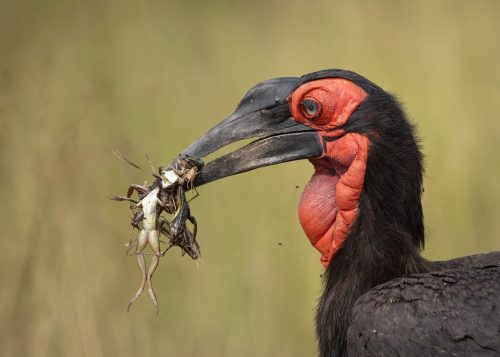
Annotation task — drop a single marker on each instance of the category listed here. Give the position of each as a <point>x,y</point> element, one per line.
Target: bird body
<point>453,310</point>
<point>362,210</point>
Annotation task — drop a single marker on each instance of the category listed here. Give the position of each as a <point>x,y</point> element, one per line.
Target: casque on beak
<point>263,113</point>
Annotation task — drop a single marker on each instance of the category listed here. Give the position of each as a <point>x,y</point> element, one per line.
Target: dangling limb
<point>154,243</point>
<point>191,238</point>
<point>137,218</point>
<point>169,245</point>
<point>123,198</point>
<point>132,244</point>
<point>196,194</point>
<point>195,224</point>
<point>179,220</point>
<point>151,163</point>
<point>189,245</point>
<point>142,240</point>
<point>140,189</point>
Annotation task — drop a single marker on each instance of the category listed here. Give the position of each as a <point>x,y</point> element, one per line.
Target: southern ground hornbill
<point>362,211</point>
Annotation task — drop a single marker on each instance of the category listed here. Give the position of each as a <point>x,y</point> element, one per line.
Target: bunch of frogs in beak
<point>165,198</point>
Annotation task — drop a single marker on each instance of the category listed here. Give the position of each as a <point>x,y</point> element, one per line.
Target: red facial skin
<point>329,204</point>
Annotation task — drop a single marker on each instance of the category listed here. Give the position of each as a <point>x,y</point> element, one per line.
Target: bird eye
<point>310,108</point>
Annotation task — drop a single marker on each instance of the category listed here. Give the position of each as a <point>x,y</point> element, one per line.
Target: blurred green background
<point>80,79</point>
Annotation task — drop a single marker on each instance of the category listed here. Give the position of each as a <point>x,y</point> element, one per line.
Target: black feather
<point>451,312</point>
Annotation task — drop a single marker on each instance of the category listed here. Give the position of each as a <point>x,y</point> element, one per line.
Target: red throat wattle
<point>329,203</point>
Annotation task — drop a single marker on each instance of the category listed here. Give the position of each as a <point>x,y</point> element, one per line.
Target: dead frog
<point>165,196</point>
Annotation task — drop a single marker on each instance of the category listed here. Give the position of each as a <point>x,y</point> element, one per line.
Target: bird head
<point>366,159</point>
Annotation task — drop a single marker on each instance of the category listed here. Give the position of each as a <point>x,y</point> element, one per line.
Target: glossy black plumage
<point>449,312</point>
<point>381,297</point>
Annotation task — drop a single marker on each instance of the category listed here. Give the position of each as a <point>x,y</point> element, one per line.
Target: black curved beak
<point>263,113</point>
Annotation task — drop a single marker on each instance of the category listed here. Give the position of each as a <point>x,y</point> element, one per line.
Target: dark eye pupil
<point>310,107</point>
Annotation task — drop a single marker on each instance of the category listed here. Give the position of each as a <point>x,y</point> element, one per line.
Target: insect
<point>161,209</point>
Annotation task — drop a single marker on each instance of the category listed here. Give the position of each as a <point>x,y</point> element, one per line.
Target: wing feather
<point>453,312</point>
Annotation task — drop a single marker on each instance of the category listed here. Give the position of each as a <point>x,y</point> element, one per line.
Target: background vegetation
<point>79,79</point>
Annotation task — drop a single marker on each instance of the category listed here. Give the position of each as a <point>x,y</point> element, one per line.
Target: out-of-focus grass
<point>79,79</point>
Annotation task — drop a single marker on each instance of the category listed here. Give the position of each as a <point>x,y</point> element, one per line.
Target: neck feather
<point>383,242</point>
<point>362,263</point>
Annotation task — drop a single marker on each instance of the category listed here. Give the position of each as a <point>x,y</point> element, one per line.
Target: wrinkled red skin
<point>329,203</point>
